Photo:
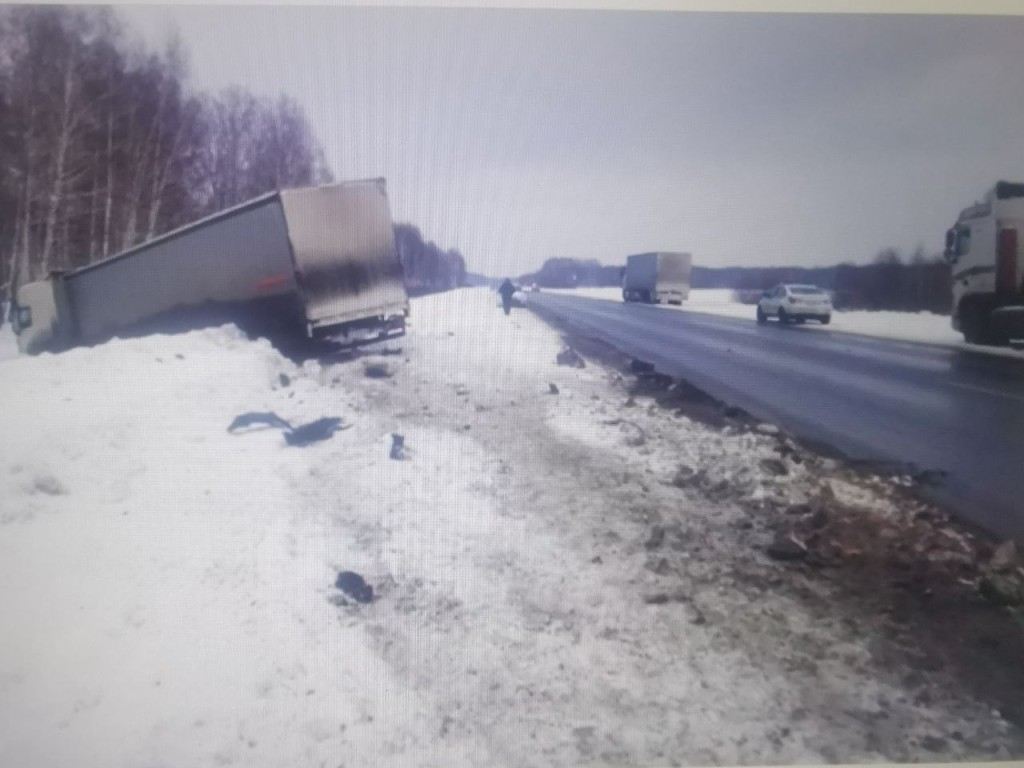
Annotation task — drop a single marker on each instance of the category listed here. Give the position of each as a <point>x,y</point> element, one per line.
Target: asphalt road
<point>936,408</point>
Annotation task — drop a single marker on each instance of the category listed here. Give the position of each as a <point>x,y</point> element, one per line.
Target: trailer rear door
<point>344,249</point>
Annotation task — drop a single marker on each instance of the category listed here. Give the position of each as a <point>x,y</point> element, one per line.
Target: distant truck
<point>657,277</point>
<point>984,248</point>
<point>304,263</point>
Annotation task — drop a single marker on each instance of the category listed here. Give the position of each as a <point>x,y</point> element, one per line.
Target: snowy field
<point>923,327</point>
<point>167,587</point>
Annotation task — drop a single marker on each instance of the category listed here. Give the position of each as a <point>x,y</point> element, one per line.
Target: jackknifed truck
<point>654,278</point>
<point>293,264</point>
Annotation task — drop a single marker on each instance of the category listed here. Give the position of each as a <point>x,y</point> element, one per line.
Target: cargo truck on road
<point>986,251</point>
<point>654,278</point>
<point>294,264</point>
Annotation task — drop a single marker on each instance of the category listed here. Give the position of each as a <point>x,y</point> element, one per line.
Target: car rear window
<point>800,290</point>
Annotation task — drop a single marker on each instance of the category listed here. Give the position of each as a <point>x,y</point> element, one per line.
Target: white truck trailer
<point>307,263</point>
<point>984,248</point>
<point>657,277</point>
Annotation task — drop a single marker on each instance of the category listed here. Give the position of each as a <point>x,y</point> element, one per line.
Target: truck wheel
<point>761,317</point>
<point>974,324</point>
<point>825,319</point>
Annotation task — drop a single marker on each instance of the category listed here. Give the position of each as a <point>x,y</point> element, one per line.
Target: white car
<point>795,303</point>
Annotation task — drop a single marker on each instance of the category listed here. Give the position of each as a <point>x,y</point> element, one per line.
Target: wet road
<point>937,408</point>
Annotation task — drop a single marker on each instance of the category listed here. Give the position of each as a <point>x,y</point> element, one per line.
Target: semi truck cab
<point>984,249</point>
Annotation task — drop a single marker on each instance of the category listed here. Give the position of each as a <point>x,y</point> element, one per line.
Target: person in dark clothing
<point>506,290</point>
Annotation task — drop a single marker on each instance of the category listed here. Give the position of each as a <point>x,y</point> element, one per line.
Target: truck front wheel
<point>974,322</point>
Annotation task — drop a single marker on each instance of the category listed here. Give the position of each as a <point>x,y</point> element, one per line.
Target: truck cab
<point>984,249</point>
<point>38,315</point>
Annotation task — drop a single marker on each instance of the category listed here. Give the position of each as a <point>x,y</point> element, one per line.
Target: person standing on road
<point>506,290</point>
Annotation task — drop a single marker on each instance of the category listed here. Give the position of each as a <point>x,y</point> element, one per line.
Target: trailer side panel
<point>241,256</point>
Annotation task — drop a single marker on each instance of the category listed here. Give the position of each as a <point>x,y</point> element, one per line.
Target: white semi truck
<point>986,251</point>
<point>293,264</point>
<point>654,278</point>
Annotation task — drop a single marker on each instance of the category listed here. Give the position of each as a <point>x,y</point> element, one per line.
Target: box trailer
<point>657,277</point>
<point>296,263</point>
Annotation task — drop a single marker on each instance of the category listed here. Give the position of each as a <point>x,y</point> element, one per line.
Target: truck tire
<point>825,319</point>
<point>761,317</point>
<point>975,326</point>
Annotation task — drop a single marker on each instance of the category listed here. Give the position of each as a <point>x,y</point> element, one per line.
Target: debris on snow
<point>377,371</point>
<point>354,586</point>
<point>552,389</point>
<point>570,357</point>
<point>305,434</point>
<point>251,419</point>
<point>314,431</point>
<point>398,449</point>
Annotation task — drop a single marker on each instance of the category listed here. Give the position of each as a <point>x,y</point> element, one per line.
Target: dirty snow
<point>167,586</point>
<point>922,327</point>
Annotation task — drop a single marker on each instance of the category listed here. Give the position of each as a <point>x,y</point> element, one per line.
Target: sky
<point>745,139</point>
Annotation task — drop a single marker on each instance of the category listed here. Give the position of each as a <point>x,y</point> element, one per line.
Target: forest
<point>104,145</point>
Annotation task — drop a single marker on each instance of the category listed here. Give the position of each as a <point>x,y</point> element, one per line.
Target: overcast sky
<point>744,139</point>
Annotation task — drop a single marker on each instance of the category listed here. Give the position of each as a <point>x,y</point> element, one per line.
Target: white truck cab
<point>984,248</point>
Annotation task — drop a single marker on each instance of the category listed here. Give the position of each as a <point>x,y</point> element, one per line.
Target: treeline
<point>102,146</point>
<point>893,281</point>
<point>570,273</point>
<point>427,267</point>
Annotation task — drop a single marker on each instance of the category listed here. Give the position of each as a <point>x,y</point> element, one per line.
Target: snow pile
<point>168,586</point>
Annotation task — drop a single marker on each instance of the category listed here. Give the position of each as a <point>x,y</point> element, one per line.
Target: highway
<point>937,408</point>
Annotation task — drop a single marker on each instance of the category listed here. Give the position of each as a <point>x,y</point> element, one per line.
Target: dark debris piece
<point>354,586</point>
<point>304,434</point>
<point>254,419</point>
<point>315,431</point>
<point>397,447</point>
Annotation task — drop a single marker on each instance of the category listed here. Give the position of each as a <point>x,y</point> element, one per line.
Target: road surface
<point>937,408</point>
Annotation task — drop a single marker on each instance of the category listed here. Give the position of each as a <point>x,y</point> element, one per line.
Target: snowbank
<point>167,586</point>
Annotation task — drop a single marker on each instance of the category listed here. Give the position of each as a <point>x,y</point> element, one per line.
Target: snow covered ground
<point>922,327</point>
<point>545,594</point>
<point>8,342</point>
